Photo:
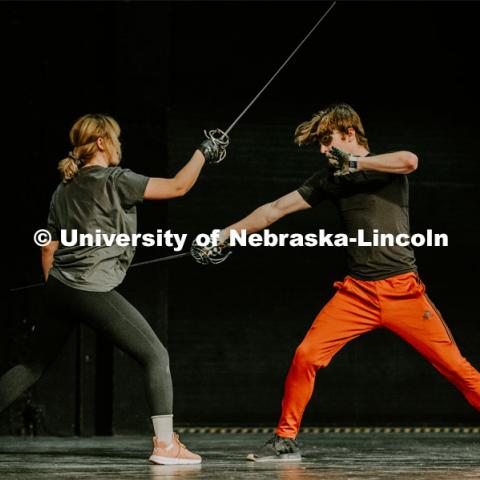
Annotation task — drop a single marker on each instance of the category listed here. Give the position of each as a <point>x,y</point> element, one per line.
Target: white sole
<point>252,458</point>
<point>173,461</point>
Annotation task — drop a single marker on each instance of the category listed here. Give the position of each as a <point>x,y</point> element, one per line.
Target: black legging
<point>106,312</point>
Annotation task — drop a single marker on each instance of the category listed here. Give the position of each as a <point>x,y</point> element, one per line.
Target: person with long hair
<point>95,193</point>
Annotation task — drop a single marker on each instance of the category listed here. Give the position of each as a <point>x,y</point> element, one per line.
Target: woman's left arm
<point>48,252</point>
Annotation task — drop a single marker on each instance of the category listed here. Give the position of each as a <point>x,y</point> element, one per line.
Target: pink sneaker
<point>174,454</point>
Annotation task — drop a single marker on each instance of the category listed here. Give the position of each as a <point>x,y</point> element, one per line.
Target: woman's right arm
<point>180,184</point>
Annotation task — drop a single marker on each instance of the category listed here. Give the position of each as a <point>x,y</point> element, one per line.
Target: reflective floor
<point>326,456</point>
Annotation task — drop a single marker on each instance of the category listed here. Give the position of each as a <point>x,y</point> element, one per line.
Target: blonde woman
<point>95,193</point>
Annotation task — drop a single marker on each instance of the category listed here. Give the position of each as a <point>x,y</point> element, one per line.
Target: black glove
<point>341,163</point>
<point>214,148</point>
<point>214,253</point>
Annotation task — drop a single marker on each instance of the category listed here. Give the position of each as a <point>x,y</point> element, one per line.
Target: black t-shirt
<point>368,200</point>
<point>96,198</point>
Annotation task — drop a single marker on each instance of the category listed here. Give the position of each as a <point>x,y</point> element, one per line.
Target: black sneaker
<point>277,449</point>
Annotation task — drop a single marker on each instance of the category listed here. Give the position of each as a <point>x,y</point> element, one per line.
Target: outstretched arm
<point>164,188</point>
<point>212,151</point>
<point>259,219</point>
<point>268,214</point>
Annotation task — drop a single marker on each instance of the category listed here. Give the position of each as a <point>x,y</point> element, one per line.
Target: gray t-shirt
<point>368,200</point>
<point>98,198</point>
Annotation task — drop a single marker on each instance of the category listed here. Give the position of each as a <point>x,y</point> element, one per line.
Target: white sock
<point>163,427</point>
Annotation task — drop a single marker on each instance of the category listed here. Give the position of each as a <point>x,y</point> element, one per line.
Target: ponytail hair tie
<point>73,157</point>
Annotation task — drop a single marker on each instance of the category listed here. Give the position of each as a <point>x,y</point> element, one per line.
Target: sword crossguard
<point>221,141</point>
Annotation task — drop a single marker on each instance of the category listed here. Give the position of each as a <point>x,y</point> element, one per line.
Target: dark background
<point>166,71</point>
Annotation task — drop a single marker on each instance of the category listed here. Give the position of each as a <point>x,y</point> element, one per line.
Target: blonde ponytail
<point>69,167</point>
<point>83,136</point>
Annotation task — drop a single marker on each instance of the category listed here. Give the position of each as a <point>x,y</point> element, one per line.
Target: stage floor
<point>327,456</point>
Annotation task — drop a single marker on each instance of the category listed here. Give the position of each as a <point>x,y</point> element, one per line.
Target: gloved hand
<point>214,148</point>
<point>342,163</point>
<point>215,252</point>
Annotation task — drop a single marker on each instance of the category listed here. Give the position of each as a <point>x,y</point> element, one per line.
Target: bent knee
<point>307,357</point>
<point>158,358</point>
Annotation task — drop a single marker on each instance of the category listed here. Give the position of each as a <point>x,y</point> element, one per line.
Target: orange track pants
<point>398,303</point>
